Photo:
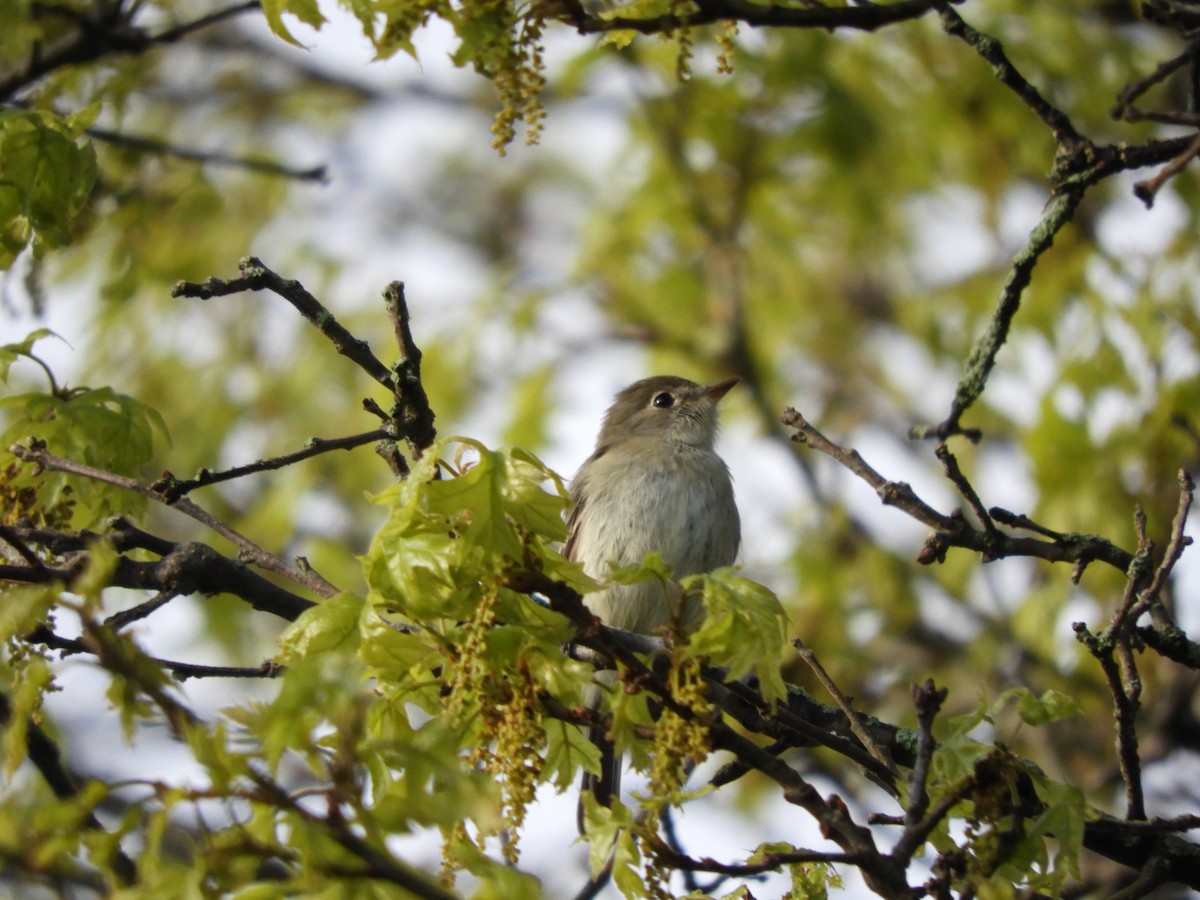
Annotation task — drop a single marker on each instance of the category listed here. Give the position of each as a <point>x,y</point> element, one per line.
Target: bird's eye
<point>663,400</point>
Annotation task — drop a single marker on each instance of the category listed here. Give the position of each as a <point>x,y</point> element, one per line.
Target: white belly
<point>682,507</point>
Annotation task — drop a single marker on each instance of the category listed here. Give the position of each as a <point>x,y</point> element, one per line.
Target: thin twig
<point>1124,714</point>
<point>9,535</point>
<point>119,620</point>
<point>767,862</point>
<point>1152,875</point>
<point>208,157</point>
<point>991,50</point>
<point>1124,109</point>
<point>929,700</point>
<point>1175,547</point>
<point>891,493</point>
<point>380,863</point>
<point>97,38</point>
<point>844,704</point>
<point>1147,190</point>
<point>180,31</point>
<point>1017,520</point>
<point>173,488</point>
<point>959,480</point>
<point>182,670</point>
<point>1140,571</point>
<point>955,531</point>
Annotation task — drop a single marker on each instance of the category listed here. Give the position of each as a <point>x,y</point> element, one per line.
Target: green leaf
<point>626,870</point>
<point>10,353</point>
<point>30,679</point>
<point>393,653</point>
<point>46,176</point>
<point>446,536</point>
<point>1052,706</point>
<point>474,499</point>
<point>651,568</point>
<point>527,502</point>
<point>1064,819</point>
<point>25,607</point>
<point>744,628</point>
<point>607,830</point>
<point>330,625</point>
<point>568,752</point>
<point>307,11</point>
<point>101,428</point>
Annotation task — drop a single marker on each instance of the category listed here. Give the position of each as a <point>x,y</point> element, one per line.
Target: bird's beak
<point>716,391</point>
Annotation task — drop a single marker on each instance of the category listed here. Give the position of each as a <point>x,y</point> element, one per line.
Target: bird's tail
<point>605,786</point>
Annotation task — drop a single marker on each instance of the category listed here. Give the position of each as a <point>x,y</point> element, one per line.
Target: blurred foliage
<point>831,221</point>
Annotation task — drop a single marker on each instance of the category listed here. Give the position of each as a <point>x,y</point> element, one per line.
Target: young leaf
<point>331,625</point>
<point>744,628</point>
<point>48,175</point>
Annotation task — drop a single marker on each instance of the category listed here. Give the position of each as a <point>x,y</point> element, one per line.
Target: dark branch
<point>992,52</point>
<point>257,277</point>
<point>956,531</point>
<point>173,488</point>
<point>181,670</point>
<point>207,157</point>
<point>191,568</point>
<point>929,700</point>
<point>44,755</point>
<point>107,35</point>
<point>412,413</point>
<point>1147,190</point>
<point>36,453</point>
<point>862,17</point>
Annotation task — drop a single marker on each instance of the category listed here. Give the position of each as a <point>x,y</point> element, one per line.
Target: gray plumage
<point>654,483</point>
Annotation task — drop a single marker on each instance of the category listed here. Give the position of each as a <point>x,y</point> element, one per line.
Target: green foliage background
<point>777,223</point>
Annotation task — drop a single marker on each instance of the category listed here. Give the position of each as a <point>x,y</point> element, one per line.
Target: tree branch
<point>380,864</point>
<point>257,277</point>
<point>173,488</point>
<point>106,35</point>
<point>861,17</point>
<point>207,157</point>
<point>955,531</point>
<point>45,756</point>
<point>37,453</point>
<point>190,568</point>
<point>978,367</point>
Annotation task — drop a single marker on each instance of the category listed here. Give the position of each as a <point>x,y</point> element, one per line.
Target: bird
<point>653,483</point>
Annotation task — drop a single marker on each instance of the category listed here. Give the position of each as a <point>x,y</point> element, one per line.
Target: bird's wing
<point>579,499</point>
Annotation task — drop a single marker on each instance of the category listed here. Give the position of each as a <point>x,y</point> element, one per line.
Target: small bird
<point>654,483</point>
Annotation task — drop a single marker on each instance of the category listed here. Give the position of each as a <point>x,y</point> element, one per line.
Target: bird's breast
<point>682,507</point>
